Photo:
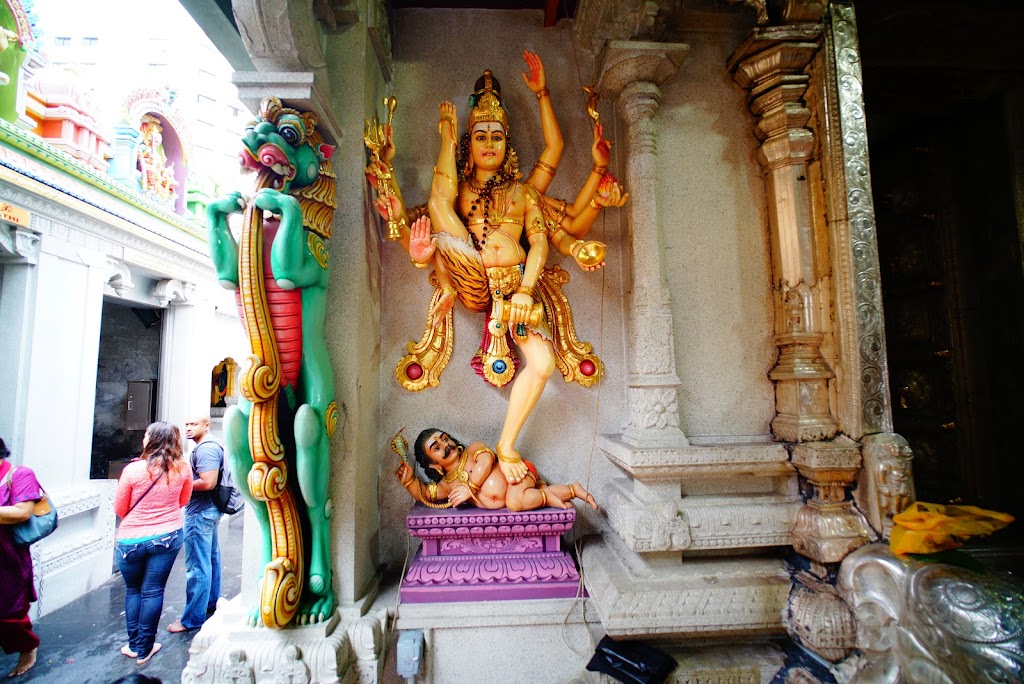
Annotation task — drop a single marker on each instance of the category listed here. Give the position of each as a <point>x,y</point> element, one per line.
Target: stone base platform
<point>687,598</point>
<point>476,554</point>
<point>227,649</point>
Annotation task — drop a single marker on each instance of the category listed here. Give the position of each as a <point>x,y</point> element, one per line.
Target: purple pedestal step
<point>475,554</point>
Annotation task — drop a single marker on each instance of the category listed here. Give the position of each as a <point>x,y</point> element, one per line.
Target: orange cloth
<point>929,528</point>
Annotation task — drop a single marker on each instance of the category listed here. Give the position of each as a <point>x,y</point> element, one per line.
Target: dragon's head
<point>284,144</point>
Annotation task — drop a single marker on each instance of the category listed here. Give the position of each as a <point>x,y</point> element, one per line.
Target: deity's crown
<point>486,103</point>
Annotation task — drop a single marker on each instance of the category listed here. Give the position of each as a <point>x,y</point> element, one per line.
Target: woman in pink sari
<point>19,490</point>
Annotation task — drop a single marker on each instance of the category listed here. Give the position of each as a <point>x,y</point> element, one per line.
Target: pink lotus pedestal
<point>476,554</point>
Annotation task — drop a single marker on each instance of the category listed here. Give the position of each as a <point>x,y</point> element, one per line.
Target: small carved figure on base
<point>463,474</point>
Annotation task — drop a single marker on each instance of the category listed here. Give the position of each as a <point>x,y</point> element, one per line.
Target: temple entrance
<point>942,164</point>
<point>126,376</point>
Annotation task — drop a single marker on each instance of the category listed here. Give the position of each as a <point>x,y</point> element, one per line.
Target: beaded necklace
<point>496,188</point>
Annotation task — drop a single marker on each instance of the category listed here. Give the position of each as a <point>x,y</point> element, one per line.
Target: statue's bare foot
<point>315,610</point>
<point>583,495</point>
<point>513,471</point>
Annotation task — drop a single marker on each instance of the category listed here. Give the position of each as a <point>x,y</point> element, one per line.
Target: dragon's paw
<point>315,610</point>
<point>228,203</point>
<point>275,201</point>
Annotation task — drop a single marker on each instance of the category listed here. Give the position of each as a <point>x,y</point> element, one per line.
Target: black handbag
<point>631,662</point>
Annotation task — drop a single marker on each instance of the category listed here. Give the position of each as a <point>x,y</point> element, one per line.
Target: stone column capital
<point>630,61</point>
<point>18,244</point>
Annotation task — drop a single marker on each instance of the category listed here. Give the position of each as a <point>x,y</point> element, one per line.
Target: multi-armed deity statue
<point>488,236</point>
<point>278,435</point>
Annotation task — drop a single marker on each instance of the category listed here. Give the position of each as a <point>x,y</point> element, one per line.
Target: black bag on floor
<point>631,662</point>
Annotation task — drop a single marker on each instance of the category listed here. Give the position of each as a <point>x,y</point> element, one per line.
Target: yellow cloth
<point>929,528</point>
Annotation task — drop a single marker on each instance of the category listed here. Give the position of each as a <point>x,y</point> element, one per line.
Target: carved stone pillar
<point>285,42</point>
<point>771,66</point>
<point>828,526</point>
<point>632,72</point>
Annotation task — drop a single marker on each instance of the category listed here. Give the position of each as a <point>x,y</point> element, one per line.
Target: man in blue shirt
<point>202,551</point>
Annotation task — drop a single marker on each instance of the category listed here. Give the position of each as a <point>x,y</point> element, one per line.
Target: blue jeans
<point>202,566</point>
<point>145,567</point>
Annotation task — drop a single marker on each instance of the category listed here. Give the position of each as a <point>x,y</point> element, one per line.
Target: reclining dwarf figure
<point>469,474</point>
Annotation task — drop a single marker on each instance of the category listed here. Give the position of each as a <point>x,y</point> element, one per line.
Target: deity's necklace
<point>490,191</point>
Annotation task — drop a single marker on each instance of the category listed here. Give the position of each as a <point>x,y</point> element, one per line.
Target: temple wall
<point>352,325</point>
<point>717,254</point>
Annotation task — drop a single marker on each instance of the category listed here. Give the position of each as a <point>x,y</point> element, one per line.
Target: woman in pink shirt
<point>149,498</point>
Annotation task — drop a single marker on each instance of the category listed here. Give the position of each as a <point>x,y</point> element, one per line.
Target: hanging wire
<point>577,539</point>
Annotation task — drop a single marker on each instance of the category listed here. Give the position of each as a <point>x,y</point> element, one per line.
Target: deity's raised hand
<point>447,128</point>
<point>421,243</point>
<point>602,147</point>
<point>536,81</point>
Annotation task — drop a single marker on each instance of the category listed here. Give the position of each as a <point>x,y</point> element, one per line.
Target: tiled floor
<point>81,641</point>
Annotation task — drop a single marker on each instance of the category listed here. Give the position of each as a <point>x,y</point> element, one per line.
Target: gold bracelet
<point>543,92</point>
<point>543,497</point>
<point>449,289</point>
<point>599,170</point>
<point>432,491</point>
<point>418,264</point>
<point>525,290</point>
<point>594,204</point>
<point>572,492</point>
<point>510,459</point>
<point>546,168</point>
<point>439,172</point>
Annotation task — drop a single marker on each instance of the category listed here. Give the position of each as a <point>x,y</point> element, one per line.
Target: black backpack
<point>225,495</point>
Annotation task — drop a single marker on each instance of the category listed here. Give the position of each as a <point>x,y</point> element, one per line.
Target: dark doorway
<point>942,123</point>
<point>129,361</point>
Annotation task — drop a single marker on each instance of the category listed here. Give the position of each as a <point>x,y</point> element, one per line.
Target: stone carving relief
<point>876,415</point>
<point>366,637</point>
<point>886,483</point>
<point>18,245</point>
<point>119,276</point>
<point>929,622</point>
<point>598,22</point>
<point>172,291</point>
<point>226,652</point>
<point>820,620</point>
<point>647,526</point>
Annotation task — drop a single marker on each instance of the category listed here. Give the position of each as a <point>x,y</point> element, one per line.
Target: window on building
<point>235,112</point>
<point>90,41</point>
<point>206,100</point>
<point>62,41</point>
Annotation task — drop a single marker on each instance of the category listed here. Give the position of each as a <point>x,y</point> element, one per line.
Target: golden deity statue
<point>488,236</point>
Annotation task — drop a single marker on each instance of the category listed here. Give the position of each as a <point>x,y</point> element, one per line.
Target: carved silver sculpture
<point>928,622</point>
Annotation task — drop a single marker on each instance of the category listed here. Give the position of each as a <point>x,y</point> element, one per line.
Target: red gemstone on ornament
<point>414,371</point>
<point>588,368</point>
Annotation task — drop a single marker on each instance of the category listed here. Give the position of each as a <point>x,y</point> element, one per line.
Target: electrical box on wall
<point>139,407</point>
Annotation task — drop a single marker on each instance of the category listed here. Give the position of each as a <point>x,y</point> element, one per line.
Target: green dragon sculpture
<point>279,270</point>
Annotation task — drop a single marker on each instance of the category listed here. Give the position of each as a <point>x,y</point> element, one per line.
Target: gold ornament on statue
<point>377,137</point>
